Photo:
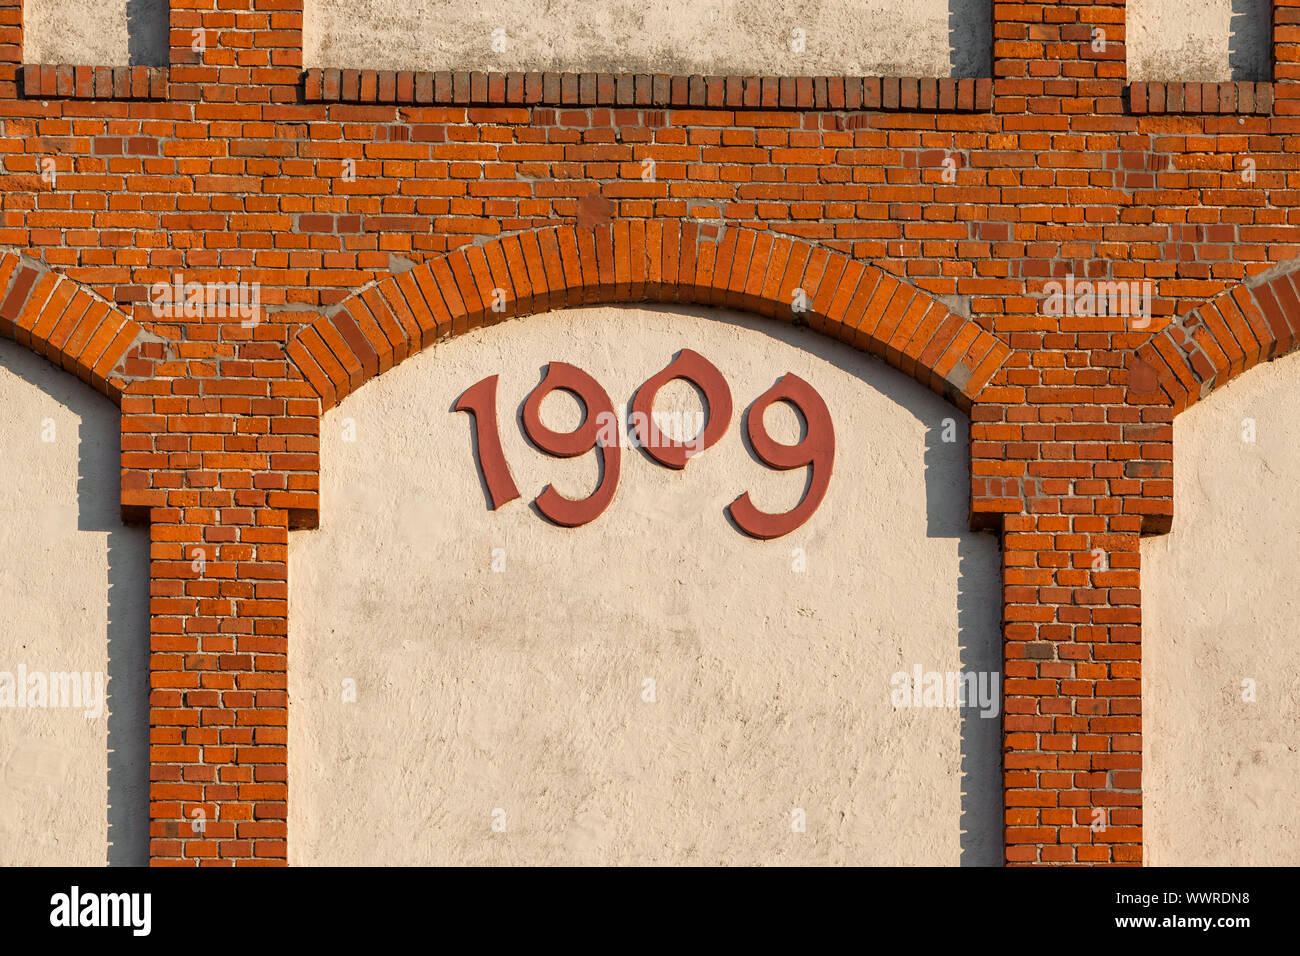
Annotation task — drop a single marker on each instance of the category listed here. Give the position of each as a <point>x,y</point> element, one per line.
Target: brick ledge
<point>64,82</point>
<point>1231,98</point>
<point>445,87</point>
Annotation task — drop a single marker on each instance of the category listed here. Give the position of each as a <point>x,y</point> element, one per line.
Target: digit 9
<point>599,430</point>
<point>815,450</point>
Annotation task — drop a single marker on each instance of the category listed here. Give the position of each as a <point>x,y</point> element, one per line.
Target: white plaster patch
<point>1220,602</point>
<point>75,600</point>
<point>521,689</point>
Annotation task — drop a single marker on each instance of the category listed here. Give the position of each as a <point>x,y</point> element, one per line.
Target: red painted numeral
<point>480,400</point>
<point>599,429</point>
<point>816,448</point>
<point>704,375</point>
<point>600,426</point>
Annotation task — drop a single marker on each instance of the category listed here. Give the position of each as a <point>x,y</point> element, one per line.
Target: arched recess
<point>506,682</point>
<point>62,321</point>
<point>662,261</point>
<point>60,521</point>
<point>74,628</point>
<point>1227,569</point>
<point>1235,465</point>
<point>1214,343</point>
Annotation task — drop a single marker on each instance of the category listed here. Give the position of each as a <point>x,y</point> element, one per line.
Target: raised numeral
<point>816,448</point>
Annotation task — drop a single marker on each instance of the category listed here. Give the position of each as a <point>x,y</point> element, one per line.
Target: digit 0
<point>704,375</point>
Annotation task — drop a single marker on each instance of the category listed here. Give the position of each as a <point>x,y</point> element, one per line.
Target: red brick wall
<point>232,165</point>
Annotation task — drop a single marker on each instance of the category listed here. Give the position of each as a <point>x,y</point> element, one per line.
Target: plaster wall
<point>75,599</point>
<point>95,32</point>
<point>522,690</point>
<point>1206,40</point>
<point>866,37</point>
<point>1199,40</point>
<point>1219,606</point>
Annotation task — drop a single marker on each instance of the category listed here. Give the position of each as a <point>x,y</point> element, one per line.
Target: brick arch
<point>1236,330</point>
<point>645,261</point>
<point>65,323</point>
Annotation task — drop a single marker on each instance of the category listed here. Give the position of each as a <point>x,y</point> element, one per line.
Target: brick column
<point>1072,724</point>
<point>254,45</point>
<point>219,453</point>
<point>11,47</point>
<point>1286,57</point>
<point>218,692</point>
<point>1073,467</point>
<point>1044,60</point>
<point>1286,39</point>
<point>1071,475</point>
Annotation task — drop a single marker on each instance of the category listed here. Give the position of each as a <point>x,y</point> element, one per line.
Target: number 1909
<point>599,431</point>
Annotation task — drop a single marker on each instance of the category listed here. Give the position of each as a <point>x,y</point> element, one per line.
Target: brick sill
<point>1233,98</point>
<point>43,81</point>
<point>445,88</point>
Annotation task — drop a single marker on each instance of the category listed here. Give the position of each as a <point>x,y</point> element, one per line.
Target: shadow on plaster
<point>127,637</point>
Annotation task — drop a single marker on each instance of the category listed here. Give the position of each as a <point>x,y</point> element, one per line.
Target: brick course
<point>378,211</point>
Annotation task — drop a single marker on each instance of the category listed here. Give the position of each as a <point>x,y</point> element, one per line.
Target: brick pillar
<point>1286,39</point>
<point>1046,60</point>
<point>1071,476</point>
<point>1072,724</point>
<point>11,47</point>
<point>218,692</point>
<point>252,45</point>
<point>1286,57</point>
<point>220,452</point>
<point>220,447</point>
<point>1073,467</point>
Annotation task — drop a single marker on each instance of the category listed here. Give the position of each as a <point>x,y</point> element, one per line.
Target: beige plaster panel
<point>96,32</point>
<point>521,690</point>
<point>75,593</point>
<point>1220,602</point>
<point>658,36</point>
<point>87,32</point>
<point>1199,40</point>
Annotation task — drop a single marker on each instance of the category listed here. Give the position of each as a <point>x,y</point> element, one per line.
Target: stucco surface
<point>96,32</point>
<point>74,31</point>
<point>1220,602</point>
<point>658,36</point>
<point>75,585</point>
<point>1199,40</point>
<point>521,690</point>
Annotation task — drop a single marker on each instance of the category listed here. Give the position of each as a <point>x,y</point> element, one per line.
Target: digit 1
<point>480,400</point>
<point>817,448</point>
